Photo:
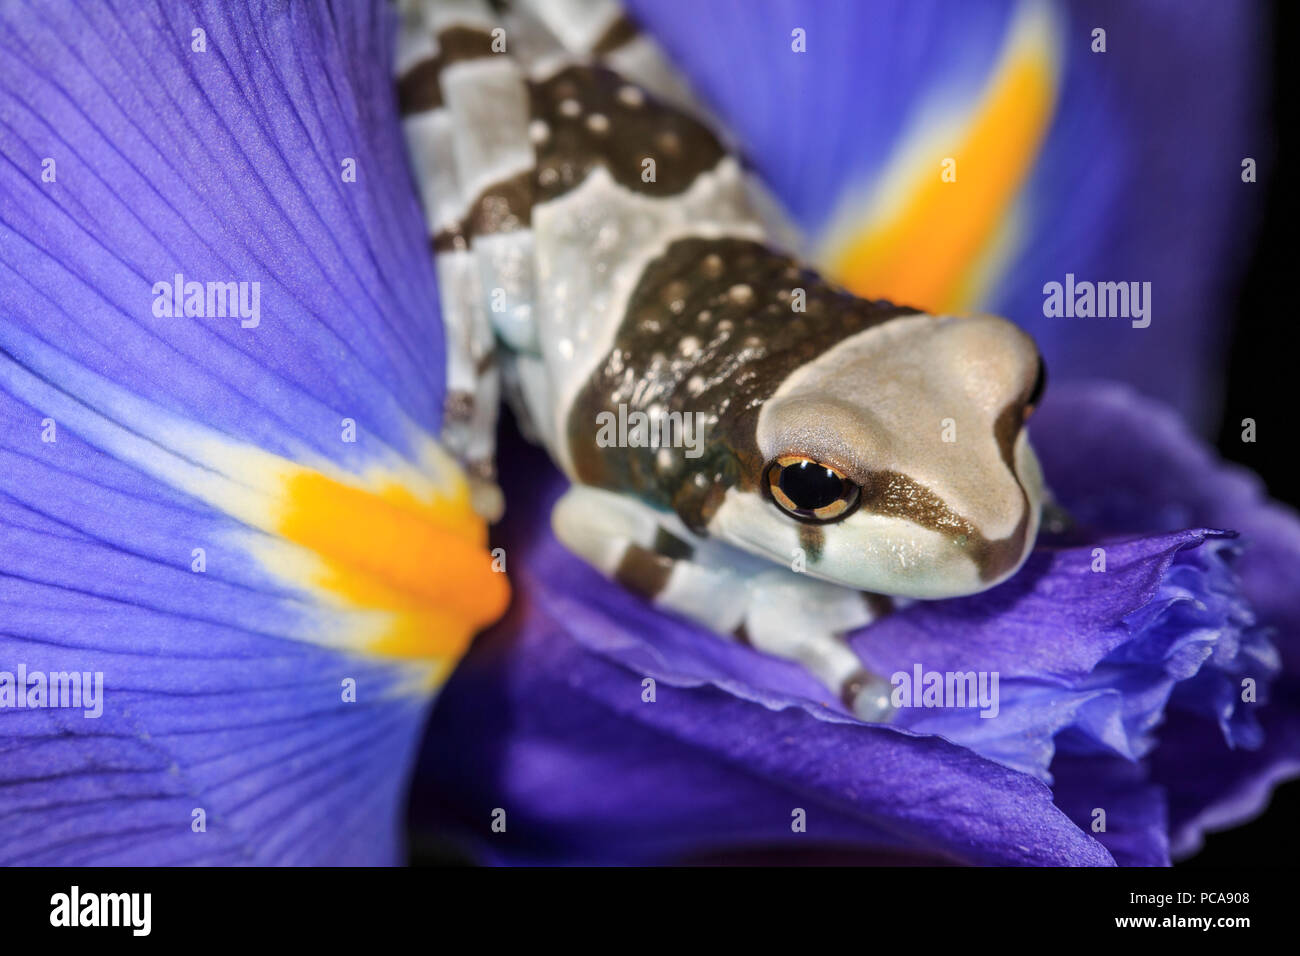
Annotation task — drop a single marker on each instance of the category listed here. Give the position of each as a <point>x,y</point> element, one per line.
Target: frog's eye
<point>810,491</point>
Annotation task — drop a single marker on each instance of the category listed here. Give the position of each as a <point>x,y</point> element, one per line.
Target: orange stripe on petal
<point>930,243</point>
<point>424,562</point>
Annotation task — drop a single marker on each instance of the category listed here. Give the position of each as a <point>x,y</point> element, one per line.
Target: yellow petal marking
<point>422,561</point>
<point>935,244</point>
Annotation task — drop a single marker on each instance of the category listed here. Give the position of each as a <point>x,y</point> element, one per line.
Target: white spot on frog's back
<point>741,293</point>
<point>583,287</point>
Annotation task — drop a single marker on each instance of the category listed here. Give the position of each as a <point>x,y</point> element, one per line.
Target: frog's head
<point>897,460</point>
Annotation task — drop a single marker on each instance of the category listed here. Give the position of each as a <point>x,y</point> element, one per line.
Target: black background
<point>1261,385</point>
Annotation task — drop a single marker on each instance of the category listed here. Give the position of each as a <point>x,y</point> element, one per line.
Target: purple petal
<point>1140,180</point>
<point>587,772</point>
<point>1117,460</point>
<point>1138,176</point>
<point>224,165</point>
<point>1121,463</point>
<point>1212,788</point>
<point>223,690</point>
<point>1088,655</point>
<point>1134,827</point>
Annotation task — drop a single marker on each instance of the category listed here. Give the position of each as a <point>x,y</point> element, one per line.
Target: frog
<point>604,251</point>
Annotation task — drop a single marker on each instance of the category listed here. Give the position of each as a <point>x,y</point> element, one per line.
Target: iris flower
<point>249,531</point>
<point>252,533</point>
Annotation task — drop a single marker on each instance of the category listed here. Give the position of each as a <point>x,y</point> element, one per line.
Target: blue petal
<point>556,734</point>
<point>1134,820</point>
<point>1137,176</point>
<point>1159,477</point>
<point>1086,660</point>
<point>1120,461</point>
<point>224,165</point>
<point>128,440</point>
<point>1140,180</point>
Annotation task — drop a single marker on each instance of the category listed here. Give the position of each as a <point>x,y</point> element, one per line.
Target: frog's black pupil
<point>1040,383</point>
<point>811,486</point>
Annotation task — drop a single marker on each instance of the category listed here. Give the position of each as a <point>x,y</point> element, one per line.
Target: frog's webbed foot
<point>778,611</point>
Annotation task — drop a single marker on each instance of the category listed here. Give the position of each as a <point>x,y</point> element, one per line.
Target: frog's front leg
<point>778,611</point>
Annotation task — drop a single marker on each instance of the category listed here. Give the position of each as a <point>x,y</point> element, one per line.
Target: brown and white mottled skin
<point>586,217</point>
